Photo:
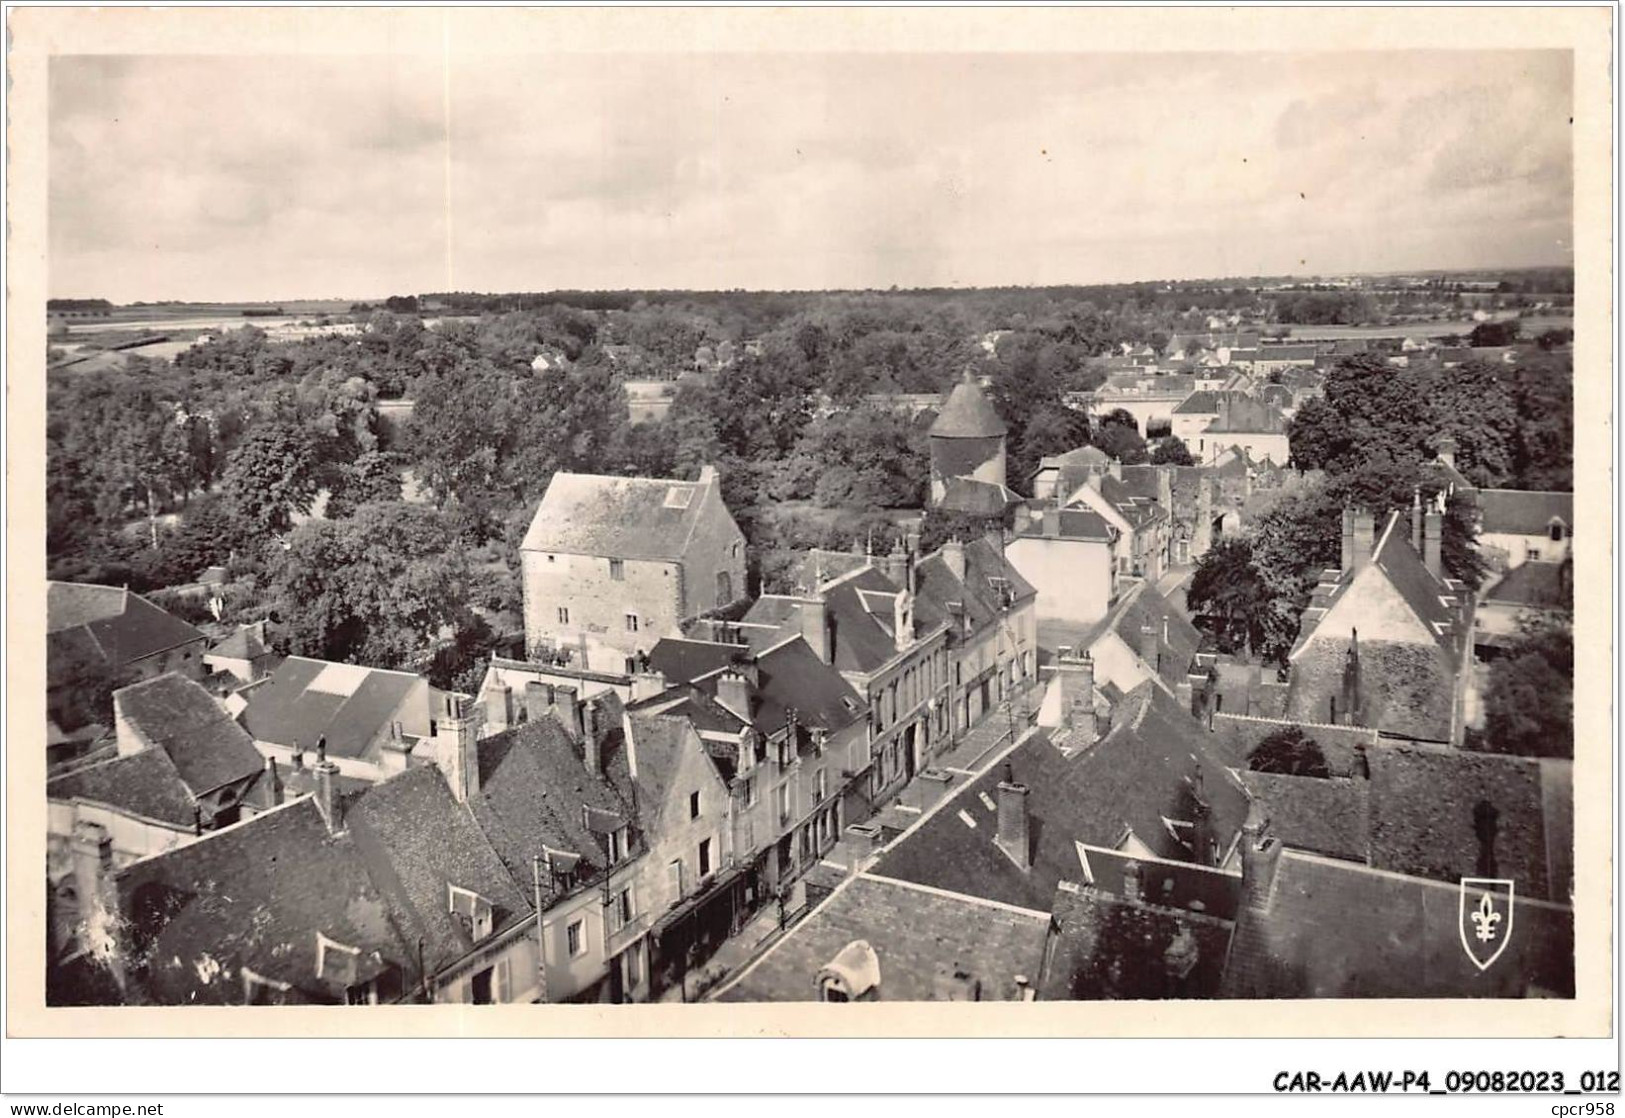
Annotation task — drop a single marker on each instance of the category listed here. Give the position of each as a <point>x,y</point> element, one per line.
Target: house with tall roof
<point>1142,523</point>
<point>1529,592</point>
<point>784,730</point>
<point>371,722</point>
<point>892,647</point>
<point>1518,526</point>
<point>612,564</point>
<point>1068,557</point>
<point>1143,638</point>
<point>1405,674</point>
<point>1250,424</point>
<point>133,637</point>
<point>967,441</point>
<point>245,655</point>
<point>1059,475</point>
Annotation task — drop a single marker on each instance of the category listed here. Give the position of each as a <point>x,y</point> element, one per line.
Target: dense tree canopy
<point>1529,699</point>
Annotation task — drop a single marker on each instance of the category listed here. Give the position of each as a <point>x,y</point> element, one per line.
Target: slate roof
<point>144,784</point>
<point>1108,947</point>
<point>1234,740</point>
<point>119,626</point>
<point>533,786</point>
<point>417,840</point>
<point>1141,772</point>
<point>1333,929</point>
<point>178,716</point>
<point>1241,414</point>
<point>617,517</point>
<point>256,894</point>
<point>1303,352</point>
<point>967,414</point>
<point>861,636</point>
<point>1204,402</point>
<point>301,701</point>
<point>1074,524</point>
<point>1541,585</point>
<point>1135,507</point>
<point>976,593</point>
<point>1517,512</point>
<point>978,498</point>
<point>243,644</point>
<point>921,940</point>
<point>1308,813</point>
<point>1177,638</point>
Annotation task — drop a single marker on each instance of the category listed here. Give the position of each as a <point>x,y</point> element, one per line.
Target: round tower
<point>967,440</point>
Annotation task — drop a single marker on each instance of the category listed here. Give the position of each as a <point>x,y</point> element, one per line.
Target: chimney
<point>1416,519</point>
<point>537,700</point>
<point>631,745</point>
<point>646,685</point>
<point>733,692</point>
<point>953,557</point>
<point>1202,845</point>
<point>1093,480</point>
<point>1362,762</point>
<point>1484,826</point>
<point>1080,712</point>
<point>1148,646</point>
<point>895,565</point>
<point>1052,522</point>
<point>1365,537</point>
<point>1131,880</point>
<point>273,782</point>
<point>815,628</point>
<point>592,737</point>
<point>1447,450</point>
<point>459,760</point>
<point>1348,540</point>
<point>1433,543</point>
<point>709,475</point>
<point>327,800</point>
<point>1012,837</point>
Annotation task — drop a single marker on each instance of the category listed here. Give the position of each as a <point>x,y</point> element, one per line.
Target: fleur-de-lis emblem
<point>1485,919</point>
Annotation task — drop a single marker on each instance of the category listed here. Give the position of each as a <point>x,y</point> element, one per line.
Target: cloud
<point>276,177</point>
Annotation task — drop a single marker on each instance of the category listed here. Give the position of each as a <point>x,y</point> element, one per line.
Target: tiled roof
<point>119,625</point>
<point>617,517</point>
<point>1307,813</point>
<point>682,661</point>
<point>979,498</point>
<point>255,895</point>
<point>1333,929</point>
<point>1152,765</point>
<point>1108,947</point>
<point>533,786</point>
<point>307,699</point>
<point>243,644</point>
<point>418,841</point>
<point>1303,352</point>
<point>1177,639</point>
<point>930,947</point>
<point>1073,524</point>
<point>1135,507</point>
<point>179,717</point>
<point>1205,402</point>
<point>1516,512</point>
<point>144,784</point>
<point>1423,803</point>
<point>1234,739</point>
<point>1240,414</point>
<point>1546,585</point>
<point>861,641</point>
<point>967,414</point>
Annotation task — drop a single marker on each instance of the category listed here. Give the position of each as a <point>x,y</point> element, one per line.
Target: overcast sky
<point>284,177</point>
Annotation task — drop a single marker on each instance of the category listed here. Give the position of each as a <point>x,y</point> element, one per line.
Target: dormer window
<point>678,498</point>
<point>618,844</point>
<point>335,961</point>
<point>470,910</point>
<point>1556,532</point>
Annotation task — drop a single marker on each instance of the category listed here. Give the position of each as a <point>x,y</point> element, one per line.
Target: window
<point>634,967</point>
<point>479,988</point>
<point>364,993</point>
<point>674,874</point>
<point>693,805</point>
<point>820,786</point>
<point>564,615</point>
<point>631,623</point>
<point>620,909</point>
<point>705,857</point>
<point>631,665</point>
<point>750,791</point>
<point>725,589</point>
<point>574,941</point>
<point>471,910</point>
<point>1533,553</point>
<point>784,802</point>
<point>1557,532</point>
<point>617,570</point>
<point>618,845</point>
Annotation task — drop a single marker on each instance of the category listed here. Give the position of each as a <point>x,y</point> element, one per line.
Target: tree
<point>1229,596</point>
<point>271,476</point>
<point>383,588</point>
<point>373,477</point>
<point>1495,333</point>
<point>81,688</point>
<point>1529,702</point>
<point>1289,752</point>
<point>1172,451</point>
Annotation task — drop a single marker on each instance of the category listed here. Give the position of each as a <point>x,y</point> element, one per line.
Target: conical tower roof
<point>967,414</point>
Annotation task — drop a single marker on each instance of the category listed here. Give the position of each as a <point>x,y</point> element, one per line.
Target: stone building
<point>967,454</point>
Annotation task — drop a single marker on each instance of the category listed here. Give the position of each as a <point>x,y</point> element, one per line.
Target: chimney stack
<point>815,626</point>
<point>953,557</point>
<point>1012,835</point>
<point>1365,537</point>
<point>1362,762</point>
<point>1165,489</point>
<point>1052,522</point>
<point>327,800</point>
<point>273,782</point>
<point>1131,880</point>
<point>1259,855</point>
<point>1447,450</point>
<point>1348,708</point>
<point>1416,519</point>
<point>459,760</point>
<point>592,737</point>
<point>733,692</point>
<point>1116,468</point>
<point>1348,540</point>
<point>537,701</point>
<point>1433,543</point>
<point>895,565</point>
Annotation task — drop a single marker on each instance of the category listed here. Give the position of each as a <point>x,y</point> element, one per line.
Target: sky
<point>281,177</point>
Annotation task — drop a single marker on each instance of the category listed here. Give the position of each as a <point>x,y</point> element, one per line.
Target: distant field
<point>1531,326</point>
